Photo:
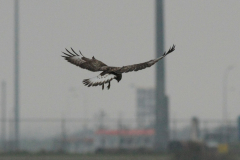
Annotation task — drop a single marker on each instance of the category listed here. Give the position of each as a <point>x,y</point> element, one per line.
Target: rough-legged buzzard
<point>108,72</point>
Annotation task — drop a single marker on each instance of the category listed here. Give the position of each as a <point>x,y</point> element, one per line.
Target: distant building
<point>145,108</point>
<point>115,140</point>
<point>195,131</point>
<point>81,142</point>
<point>218,136</point>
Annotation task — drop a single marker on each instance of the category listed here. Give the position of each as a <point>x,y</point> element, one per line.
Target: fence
<point>79,135</point>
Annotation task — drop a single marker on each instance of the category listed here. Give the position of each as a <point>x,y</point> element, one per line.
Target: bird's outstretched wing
<point>83,62</point>
<point>140,66</point>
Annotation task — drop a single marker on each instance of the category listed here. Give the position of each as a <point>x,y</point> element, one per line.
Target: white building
<point>145,108</point>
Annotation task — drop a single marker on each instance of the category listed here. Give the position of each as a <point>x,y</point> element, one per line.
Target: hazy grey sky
<point>121,32</point>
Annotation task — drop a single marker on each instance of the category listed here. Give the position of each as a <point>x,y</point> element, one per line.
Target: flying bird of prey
<point>108,73</point>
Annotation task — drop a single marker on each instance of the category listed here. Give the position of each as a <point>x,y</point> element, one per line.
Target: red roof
<point>126,132</point>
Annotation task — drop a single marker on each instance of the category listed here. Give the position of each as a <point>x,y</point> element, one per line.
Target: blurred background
<point>192,97</point>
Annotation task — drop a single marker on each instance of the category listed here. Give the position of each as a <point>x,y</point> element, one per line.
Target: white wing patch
<point>99,80</point>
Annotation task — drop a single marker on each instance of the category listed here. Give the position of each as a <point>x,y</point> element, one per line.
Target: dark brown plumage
<point>108,73</point>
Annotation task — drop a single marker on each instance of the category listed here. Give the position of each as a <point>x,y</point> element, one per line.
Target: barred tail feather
<point>99,80</point>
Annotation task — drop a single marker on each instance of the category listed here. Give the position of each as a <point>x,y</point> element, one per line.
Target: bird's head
<point>119,77</point>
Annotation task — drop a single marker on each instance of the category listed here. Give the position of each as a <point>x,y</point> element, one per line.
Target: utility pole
<point>225,104</point>
<point>63,139</point>
<point>3,100</point>
<point>161,121</point>
<point>16,71</point>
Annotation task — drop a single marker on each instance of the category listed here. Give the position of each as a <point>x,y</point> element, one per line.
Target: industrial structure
<point>161,123</point>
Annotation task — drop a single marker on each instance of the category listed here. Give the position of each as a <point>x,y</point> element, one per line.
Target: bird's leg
<point>108,85</point>
<point>103,86</point>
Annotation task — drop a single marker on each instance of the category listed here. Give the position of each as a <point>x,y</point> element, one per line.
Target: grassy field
<point>85,157</point>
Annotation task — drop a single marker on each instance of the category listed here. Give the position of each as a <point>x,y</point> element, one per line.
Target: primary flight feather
<point>108,72</point>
